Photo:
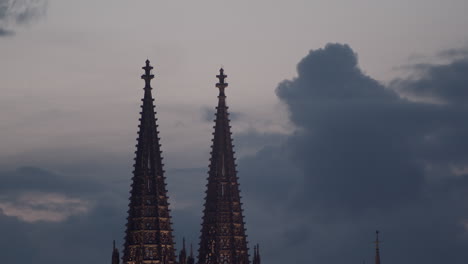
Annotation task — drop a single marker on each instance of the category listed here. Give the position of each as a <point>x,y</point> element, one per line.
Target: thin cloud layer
<point>47,207</point>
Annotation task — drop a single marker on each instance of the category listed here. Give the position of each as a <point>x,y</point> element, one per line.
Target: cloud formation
<point>15,13</point>
<point>363,158</point>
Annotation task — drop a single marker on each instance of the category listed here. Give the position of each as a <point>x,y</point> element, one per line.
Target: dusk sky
<point>347,117</point>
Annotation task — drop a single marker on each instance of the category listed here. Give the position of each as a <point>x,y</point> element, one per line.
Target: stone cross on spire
<point>148,75</point>
<point>221,85</point>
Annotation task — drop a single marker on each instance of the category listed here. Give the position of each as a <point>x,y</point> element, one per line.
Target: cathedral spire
<point>149,234</point>
<point>223,239</point>
<point>377,249</point>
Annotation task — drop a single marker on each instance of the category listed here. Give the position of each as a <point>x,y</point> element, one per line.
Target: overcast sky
<point>348,116</point>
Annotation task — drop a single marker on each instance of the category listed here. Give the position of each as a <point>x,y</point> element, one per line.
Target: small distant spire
<point>190,258</point>
<point>221,84</point>
<point>148,76</point>
<point>115,254</point>
<point>377,249</point>
<point>258,254</point>
<point>183,253</point>
<point>256,257</point>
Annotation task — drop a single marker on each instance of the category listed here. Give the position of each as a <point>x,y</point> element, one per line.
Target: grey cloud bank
<point>365,158</point>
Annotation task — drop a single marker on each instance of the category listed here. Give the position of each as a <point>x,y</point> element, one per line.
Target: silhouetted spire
<point>223,239</point>
<point>115,254</point>
<point>191,259</point>
<point>377,249</point>
<point>256,257</point>
<point>258,254</point>
<point>149,234</point>
<point>254,261</point>
<point>183,253</point>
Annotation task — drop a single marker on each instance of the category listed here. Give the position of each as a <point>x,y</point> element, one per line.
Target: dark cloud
<point>445,83</point>
<point>36,179</point>
<point>349,142</point>
<point>15,13</point>
<point>364,158</point>
<point>4,32</point>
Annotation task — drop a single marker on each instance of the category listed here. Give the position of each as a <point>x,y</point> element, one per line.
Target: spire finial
<point>221,84</point>
<point>113,244</point>
<point>183,243</point>
<point>191,250</point>
<point>377,239</point>
<point>148,75</point>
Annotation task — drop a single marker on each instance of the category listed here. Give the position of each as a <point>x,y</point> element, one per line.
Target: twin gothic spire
<point>149,234</point>
<point>223,239</point>
<point>148,238</point>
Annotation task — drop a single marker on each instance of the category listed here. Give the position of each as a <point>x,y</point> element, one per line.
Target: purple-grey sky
<point>333,140</point>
